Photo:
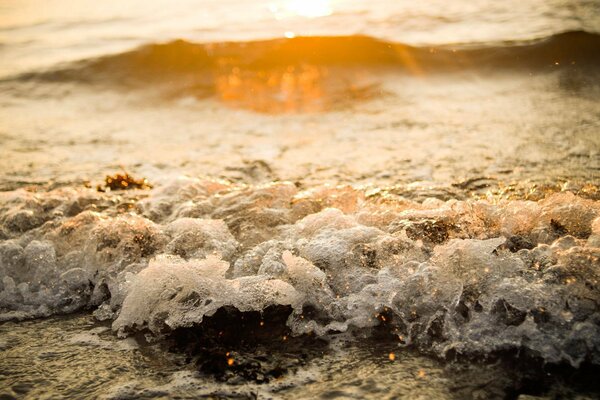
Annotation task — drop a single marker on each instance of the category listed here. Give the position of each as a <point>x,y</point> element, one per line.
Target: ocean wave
<point>184,60</point>
<point>471,277</point>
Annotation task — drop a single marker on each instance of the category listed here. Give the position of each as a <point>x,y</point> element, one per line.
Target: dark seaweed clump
<point>123,181</point>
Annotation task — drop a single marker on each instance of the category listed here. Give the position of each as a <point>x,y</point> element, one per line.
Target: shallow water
<point>78,357</point>
<point>436,130</point>
<point>319,200</point>
<point>57,365</point>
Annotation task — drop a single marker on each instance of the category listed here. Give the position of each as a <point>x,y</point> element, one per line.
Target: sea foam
<point>470,277</point>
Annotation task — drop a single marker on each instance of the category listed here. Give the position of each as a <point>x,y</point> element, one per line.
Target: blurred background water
<point>37,34</point>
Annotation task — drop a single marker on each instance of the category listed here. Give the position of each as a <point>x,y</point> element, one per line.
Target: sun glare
<point>308,8</point>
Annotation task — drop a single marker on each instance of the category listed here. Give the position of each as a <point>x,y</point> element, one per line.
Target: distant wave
<point>180,59</point>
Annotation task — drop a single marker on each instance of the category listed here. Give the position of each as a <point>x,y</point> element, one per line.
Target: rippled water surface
<point>299,199</point>
<point>75,357</point>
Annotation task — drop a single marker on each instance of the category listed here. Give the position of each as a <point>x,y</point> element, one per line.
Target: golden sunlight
<point>300,199</point>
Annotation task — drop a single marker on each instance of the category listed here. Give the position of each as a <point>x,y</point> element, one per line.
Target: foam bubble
<point>172,293</point>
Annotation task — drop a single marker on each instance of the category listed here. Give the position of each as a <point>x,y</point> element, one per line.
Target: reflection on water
<point>37,34</point>
<point>293,89</point>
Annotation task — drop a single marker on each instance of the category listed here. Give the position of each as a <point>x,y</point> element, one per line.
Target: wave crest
<point>184,60</point>
<point>456,277</point>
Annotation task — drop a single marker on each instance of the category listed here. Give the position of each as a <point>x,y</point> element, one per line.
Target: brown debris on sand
<point>123,181</point>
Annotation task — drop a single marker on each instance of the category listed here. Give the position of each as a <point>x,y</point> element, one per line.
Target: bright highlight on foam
<point>302,8</point>
<point>310,8</point>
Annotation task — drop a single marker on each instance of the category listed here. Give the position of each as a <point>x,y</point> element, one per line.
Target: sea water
<point>348,199</point>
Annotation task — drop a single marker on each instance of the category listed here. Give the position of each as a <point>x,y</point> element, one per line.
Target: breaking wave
<point>184,60</point>
<point>471,277</point>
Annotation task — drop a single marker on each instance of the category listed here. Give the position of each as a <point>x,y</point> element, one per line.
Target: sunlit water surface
<point>436,175</point>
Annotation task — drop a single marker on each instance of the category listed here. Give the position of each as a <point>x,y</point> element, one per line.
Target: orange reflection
<point>407,59</point>
<point>291,89</point>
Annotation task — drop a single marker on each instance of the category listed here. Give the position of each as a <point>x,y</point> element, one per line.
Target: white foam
<point>443,272</point>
